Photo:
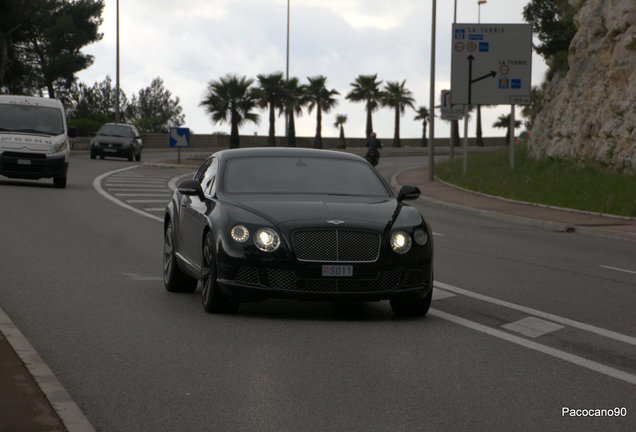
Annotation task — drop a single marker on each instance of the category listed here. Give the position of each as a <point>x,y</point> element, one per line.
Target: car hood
<point>29,143</point>
<point>323,210</point>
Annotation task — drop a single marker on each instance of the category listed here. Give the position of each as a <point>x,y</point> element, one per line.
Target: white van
<point>33,139</point>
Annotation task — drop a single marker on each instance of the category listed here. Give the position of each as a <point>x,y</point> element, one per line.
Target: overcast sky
<point>188,43</point>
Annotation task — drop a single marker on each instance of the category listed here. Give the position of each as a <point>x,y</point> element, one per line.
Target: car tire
<point>131,155</point>
<point>411,305</point>
<point>138,156</point>
<point>213,299</point>
<point>173,278</point>
<point>93,155</point>
<point>59,182</point>
<point>101,157</point>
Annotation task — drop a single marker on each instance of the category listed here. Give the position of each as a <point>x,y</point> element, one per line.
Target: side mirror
<point>190,188</point>
<point>408,192</point>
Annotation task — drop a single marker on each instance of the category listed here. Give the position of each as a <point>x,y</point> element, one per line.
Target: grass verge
<point>591,187</point>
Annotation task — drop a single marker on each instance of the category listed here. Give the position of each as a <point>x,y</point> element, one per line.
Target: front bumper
<point>304,281</point>
<point>112,150</point>
<point>32,165</point>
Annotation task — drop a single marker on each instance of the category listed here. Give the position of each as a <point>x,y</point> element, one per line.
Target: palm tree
<point>503,121</point>
<point>270,95</point>
<point>479,140</point>
<point>231,99</point>
<point>322,99</point>
<point>396,95</point>
<point>366,89</point>
<point>341,119</point>
<point>422,115</point>
<point>294,100</point>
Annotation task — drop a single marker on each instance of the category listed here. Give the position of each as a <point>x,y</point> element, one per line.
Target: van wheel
<point>138,156</point>
<point>59,182</point>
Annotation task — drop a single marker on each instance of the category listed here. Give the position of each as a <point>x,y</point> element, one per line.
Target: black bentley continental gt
<point>307,224</point>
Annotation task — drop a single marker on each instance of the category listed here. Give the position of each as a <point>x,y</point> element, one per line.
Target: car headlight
<point>59,147</point>
<point>420,237</point>
<point>239,233</point>
<point>400,242</point>
<point>266,239</point>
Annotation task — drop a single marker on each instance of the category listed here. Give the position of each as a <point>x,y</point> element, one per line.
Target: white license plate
<point>24,162</point>
<point>337,270</point>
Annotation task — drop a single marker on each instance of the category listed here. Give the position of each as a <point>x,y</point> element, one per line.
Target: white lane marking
<point>548,316</point>
<point>97,185</point>
<point>618,269</point>
<point>532,327</point>
<point>577,360</point>
<point>73,418</point>
<point>439,294</point>
<point>155,189</point>
<point>438,234</point>
<point>128,184</point>
<point>148,201</point>
<point>155,209</point>
<point>166,194</point>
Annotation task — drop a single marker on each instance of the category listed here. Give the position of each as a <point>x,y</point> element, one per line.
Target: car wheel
<point>173,278</point>
<point>131,155</point>
<point>138,156</point>
<point>93,155</point>
<point>414,304</point>
<point>59,182</point>
<point>101,157</point>
<point>213,299</point>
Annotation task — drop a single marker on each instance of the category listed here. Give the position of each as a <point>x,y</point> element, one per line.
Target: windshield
<point>115,130</point>
<point>302,175</point>
<point>31,119</point>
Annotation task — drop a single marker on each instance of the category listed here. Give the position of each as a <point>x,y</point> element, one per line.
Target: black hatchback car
<point>117,140</point>
<point>296,223</point>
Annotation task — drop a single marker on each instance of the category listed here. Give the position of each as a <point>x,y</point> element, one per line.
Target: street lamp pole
<point>117,114</point>
<point>479,3</point>
<point>431,114</point>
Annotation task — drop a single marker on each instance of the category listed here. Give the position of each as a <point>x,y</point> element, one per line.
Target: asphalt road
<point>526,322</point>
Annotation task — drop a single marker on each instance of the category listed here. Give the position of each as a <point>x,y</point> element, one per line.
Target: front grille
<point>336,245</point>
<point>286,280</point>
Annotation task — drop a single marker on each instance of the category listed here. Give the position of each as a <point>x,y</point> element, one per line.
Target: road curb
<point>73,418</point>
<point>543,223</point>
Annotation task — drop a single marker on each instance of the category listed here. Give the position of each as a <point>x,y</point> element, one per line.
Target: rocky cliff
<point>590,113</point>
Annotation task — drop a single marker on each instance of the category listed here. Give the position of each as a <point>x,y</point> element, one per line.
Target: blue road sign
<point>503,83</point>
<point>483,46</point>
<point>179,137</point>
<point>515,83</point>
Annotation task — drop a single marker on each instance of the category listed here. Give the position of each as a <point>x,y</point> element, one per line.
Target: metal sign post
<point>179,138</point>
<point>491,64</point>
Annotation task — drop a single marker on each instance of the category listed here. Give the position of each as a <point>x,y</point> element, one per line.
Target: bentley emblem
<point>335,221</point>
